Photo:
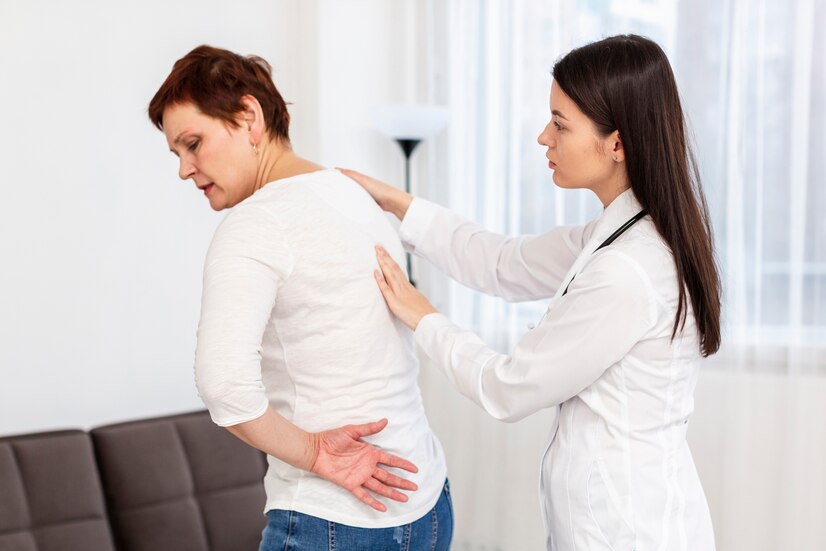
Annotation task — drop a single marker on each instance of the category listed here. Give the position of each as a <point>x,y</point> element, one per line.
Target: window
<point>752,89</point>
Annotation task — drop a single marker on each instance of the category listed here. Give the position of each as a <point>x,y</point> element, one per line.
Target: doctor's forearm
<point>397,204</point>
<point>275,436</point>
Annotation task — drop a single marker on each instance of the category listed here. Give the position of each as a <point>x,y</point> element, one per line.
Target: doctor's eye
<point>194,145</point>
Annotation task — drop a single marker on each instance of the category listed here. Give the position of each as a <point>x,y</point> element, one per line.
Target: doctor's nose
<point>545,138</point>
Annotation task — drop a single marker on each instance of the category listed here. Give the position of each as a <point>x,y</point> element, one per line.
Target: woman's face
<point>216,156</point>
<point>578,155</point>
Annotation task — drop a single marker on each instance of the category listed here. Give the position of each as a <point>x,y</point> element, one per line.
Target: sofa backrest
<point>50,494</point>
<point>180,483</point>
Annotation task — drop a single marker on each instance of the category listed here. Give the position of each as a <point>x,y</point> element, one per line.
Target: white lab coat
<point>617,473</point>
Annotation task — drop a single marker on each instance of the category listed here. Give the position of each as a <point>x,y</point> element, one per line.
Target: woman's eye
<point>194,145</point>
<point>557,125</point>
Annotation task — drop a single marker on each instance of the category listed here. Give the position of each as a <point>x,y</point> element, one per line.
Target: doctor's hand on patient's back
<point>405,301</point>
<point>389,198</point>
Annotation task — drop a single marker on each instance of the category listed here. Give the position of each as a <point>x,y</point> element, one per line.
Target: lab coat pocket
<point>606,509</point>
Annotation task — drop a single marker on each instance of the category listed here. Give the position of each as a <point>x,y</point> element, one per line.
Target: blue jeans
<point>292,531</point>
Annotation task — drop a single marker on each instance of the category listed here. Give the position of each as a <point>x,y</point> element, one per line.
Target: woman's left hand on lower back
<point>404,300</point>
<point>345,460</point>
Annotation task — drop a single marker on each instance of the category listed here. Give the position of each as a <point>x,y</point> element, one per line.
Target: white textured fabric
<point>292,317</point>
<point>617,472</point>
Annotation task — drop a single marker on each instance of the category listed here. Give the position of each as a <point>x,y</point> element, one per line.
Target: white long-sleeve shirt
<point>291,317</point>
<point>617,472</point>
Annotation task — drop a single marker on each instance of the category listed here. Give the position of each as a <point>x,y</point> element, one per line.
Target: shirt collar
<point>624,207</point>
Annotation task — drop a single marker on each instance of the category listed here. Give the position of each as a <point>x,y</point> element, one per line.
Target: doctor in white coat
<point>634,305</point>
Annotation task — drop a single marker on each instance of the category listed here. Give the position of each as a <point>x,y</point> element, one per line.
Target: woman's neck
<point>613,187</point>
<point>278,161</point>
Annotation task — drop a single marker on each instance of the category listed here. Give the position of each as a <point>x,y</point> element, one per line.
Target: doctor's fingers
<point>378,190</point>
<point>394,275</point>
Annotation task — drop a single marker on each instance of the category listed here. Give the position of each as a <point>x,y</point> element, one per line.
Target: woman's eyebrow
<point>559,114</point>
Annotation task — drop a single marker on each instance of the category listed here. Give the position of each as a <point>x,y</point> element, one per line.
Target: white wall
<point>101,244</point>
<point>102,248</point>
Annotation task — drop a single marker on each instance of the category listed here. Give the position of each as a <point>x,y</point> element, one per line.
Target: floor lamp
<point>409,125</point>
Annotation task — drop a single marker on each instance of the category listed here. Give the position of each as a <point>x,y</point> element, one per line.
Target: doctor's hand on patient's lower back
<point>345,460</point>
<point>389,198</point>
<point>404,300</point>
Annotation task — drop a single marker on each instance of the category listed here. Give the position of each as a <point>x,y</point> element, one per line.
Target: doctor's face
<point>216,156</point>
<point>579,156</point>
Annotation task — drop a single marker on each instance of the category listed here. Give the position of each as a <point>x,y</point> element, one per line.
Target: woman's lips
<point>551,164</point>
<point>208,188</point>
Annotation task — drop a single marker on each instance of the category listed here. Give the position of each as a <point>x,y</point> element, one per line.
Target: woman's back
<point>331,352</point>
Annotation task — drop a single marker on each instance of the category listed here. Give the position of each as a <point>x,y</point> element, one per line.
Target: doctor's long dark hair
<point>625,83</point>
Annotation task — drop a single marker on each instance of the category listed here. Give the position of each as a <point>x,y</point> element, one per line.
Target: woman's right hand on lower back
<point>389,198</point>
<point>345,460</point>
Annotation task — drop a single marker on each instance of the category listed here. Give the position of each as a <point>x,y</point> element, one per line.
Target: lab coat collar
<point>624,207</point>
<point>617,213</point>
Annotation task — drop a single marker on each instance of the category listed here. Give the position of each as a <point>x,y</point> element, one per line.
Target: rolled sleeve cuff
<point>416,221</point>
<point>227,419</point>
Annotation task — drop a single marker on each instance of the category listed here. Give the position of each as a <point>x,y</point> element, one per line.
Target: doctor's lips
<point>551,164</point>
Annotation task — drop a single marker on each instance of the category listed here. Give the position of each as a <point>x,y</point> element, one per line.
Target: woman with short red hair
<point>293,340</point>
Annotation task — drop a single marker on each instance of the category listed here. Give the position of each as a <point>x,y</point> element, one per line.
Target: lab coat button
<point>531,326</point>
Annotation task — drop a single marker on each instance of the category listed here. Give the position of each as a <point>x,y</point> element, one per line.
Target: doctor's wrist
<point>397,204</point>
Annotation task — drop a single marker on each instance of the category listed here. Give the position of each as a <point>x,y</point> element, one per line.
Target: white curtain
<point>752,79</point>
<point>753,90</point>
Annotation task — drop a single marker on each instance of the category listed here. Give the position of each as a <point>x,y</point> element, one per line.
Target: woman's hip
<point>294,531</point>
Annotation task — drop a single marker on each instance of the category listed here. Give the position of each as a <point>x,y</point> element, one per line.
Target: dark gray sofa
<point>176,483</point>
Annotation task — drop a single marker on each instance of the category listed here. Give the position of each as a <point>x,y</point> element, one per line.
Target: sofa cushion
<point>180,482</point>
<point>50,494</point>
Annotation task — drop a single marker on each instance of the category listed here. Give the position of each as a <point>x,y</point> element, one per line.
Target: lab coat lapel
<point>621,209</point>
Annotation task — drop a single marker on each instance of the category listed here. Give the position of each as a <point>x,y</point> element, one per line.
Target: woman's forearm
<point>397,204</point>
<point>337,455</point>
<point>274,435</point>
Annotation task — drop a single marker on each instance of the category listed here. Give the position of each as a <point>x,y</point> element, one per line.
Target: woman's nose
<point>543,137</point>
<point>186,170</point>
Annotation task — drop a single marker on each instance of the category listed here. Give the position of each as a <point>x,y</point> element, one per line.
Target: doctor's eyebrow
<point>559,114</point>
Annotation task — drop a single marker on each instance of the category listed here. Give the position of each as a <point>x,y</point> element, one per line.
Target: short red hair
<point>215,80</point>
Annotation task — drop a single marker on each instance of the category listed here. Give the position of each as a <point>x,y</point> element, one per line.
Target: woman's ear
<point>252,118</point>
<point>616,149</point>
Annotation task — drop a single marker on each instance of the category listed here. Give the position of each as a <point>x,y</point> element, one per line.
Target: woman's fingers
<point>377,487</point>
<point>388,197</point>
<point>383,286</point>
<point>355,175</point>
<point>394,480</point>
<point>371,185</point>
<point>395,461</point>
<point>366,498</point>
<point>391,270</point>
<point>368,429</point>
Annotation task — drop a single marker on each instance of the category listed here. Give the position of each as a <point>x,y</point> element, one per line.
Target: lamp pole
<point>408,145</point>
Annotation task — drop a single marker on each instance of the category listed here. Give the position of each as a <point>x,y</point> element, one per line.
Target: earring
<point>255,148</point>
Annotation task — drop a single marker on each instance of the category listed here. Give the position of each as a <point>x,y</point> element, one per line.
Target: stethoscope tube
<point>613,237</point>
